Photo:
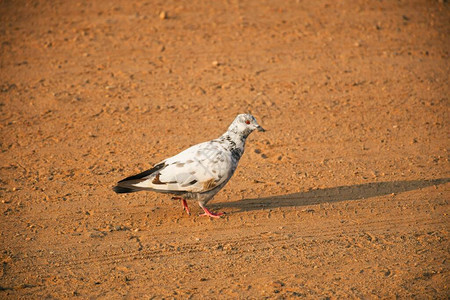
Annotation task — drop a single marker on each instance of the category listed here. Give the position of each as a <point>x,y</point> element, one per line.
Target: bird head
<point>245,124</point>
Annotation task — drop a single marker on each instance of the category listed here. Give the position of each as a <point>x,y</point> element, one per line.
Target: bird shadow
<point>331,195</point>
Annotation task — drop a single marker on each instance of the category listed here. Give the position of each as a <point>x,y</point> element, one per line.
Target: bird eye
<point>247,122</point>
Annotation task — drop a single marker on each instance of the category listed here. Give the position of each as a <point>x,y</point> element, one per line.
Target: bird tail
<point>127,185</point>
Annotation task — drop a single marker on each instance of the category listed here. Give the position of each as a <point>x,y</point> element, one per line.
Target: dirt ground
<point>345,196</point>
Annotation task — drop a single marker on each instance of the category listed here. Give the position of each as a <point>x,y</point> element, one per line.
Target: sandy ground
<point>345,196</point>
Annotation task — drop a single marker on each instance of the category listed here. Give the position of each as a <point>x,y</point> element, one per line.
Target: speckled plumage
<point>199,172</point>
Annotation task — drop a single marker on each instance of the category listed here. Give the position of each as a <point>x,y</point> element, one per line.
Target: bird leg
<point>184,203</point>
<point>208,213</point>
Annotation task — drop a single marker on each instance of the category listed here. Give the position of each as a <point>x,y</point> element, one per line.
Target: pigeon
<point>199,172</point>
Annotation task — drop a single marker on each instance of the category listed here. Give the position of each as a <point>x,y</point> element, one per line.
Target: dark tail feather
<point>126,185</point>
<point>123,190</point>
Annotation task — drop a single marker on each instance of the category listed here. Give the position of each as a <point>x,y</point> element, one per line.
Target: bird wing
<point>197,169</point>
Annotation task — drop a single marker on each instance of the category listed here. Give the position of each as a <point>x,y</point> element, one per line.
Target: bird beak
<point>260,128</point>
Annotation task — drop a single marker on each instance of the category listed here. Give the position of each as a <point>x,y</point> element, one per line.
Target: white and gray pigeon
<point>199,172</point>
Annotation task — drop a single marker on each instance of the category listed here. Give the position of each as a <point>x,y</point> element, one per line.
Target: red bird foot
<point>208,213</point>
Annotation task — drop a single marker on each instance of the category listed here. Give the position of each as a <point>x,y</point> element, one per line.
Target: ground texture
<point>345,196</point>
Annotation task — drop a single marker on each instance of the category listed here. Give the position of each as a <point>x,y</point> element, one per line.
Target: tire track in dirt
<point>248,240</point>
<point>274,239</point>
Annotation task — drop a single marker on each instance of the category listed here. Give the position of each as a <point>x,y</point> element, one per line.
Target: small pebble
<point>163,15</point>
